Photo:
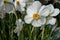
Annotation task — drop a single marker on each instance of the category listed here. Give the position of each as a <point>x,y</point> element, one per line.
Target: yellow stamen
<point>18,3</point>
<point>0,14</point>
<point>5,2</point>
<point>49,15</point>
<point>21,29</point>
<point>36,16</point>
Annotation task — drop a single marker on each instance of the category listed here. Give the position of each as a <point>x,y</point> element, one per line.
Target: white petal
<point>43,20</point>
<point>1,1</point>
<point>30,10</point>
<point>6,8</point>
<point>19,23</point>
<point>50,7</point>
<point>22,9</point>
<point>42,8</point>
<point>23,4</point>
<point>37,3</point>
<point>34,8</point>
<point>19,20</point>
<point>18,8</point>
<point>16,30</point>
<point>38,23</point>
<point>44,12</point>
<point>51,21</point>
<point>55,13</point>
<point>28,19</point>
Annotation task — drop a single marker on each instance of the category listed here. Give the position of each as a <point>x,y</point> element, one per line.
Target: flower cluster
<point>37,14</point>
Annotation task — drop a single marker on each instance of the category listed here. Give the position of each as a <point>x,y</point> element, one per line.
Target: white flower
<point>51,21</point>
<point>19,26</point>
<point>19,5</point>
<point>36,14</point>
<point>52,12</point>
<point>5,7</point>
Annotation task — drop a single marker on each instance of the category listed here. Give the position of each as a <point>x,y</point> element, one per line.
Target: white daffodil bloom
<point>36,14</point>
<point>6,7</point>
<point>51,21</point>
<point>52,12</point>
<point>19,26</point>
<point>19,5</point>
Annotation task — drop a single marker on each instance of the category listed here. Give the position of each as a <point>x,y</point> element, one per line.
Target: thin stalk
<point>42,38</point>
<point>11,27</point>
<point>35,34</point>
<point>43,32</point>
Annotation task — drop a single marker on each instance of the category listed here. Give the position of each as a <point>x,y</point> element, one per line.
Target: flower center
<point>0,14</point>
<point>18,3</point>
<point>49,15</point>
<point>5,2</point>
<point>21,29</point>
<point>36,16</point>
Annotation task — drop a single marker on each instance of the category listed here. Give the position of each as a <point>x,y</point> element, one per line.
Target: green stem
<point>42,38</point>
<point>43,32</point>
<point>11,27</point>
<point>15,14</point>
<point>21,36</point>
<point>30,32</point>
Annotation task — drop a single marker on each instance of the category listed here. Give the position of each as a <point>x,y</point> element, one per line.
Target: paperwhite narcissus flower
<point>52,12</point>
<point>6,7</point>
<point>19,26</point>
<point>2,1</point>
<point>19,5</point>
<point>35,14</point>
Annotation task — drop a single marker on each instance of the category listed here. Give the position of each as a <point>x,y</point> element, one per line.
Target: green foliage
<point>8,24</point>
